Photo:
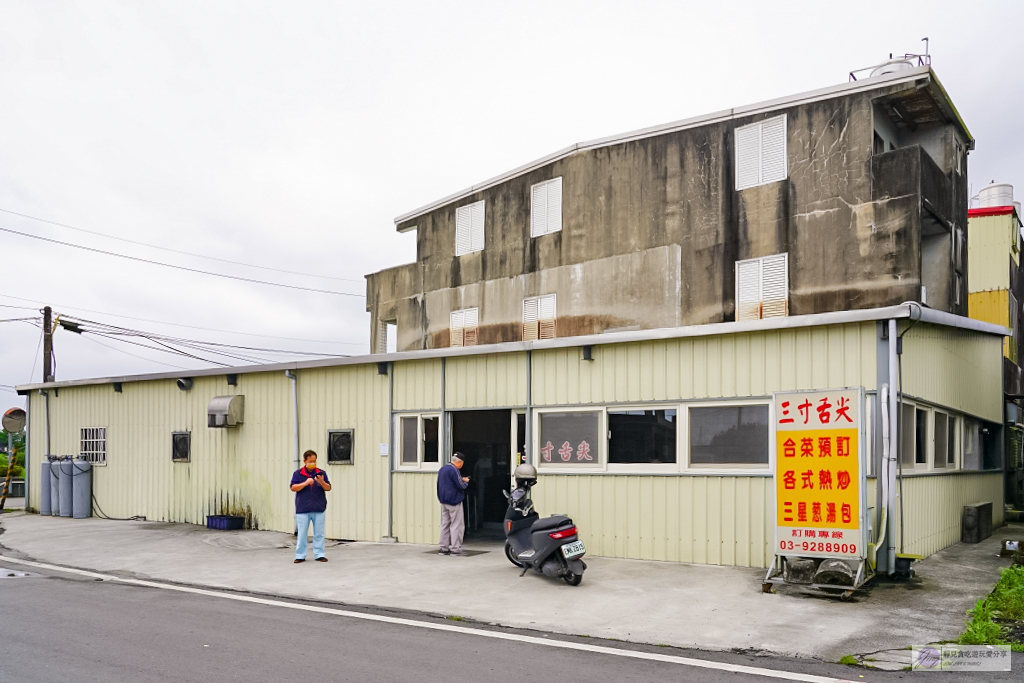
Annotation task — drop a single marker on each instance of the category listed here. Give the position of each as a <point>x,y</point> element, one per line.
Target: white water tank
<point>996,194</point>
<point>892,66</point>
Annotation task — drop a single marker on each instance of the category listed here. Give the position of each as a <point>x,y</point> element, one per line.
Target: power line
<point>134,355</point>
<point>174,251</point>
<point>170,265</point>
<point>193,327</point>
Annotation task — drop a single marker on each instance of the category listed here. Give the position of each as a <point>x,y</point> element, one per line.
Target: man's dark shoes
<point>321,559</point>
<point>299,561</point>
<point>443,552</point>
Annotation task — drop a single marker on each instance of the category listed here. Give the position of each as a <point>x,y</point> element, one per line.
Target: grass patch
<point>454,617</point>
<point>849,660</point>
<point>997,620</point>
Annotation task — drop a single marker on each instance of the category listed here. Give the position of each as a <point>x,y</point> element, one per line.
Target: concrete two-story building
<point>844,198</point>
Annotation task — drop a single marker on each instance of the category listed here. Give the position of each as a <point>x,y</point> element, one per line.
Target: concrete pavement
<point>693,606</point>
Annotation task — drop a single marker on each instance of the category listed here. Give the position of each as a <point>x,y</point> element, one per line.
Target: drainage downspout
<point>28,463</point>
<point>391,450</point>
<point>527,456</point>
<point>892,453</point>
<point>46,398</point>
<point>295,413</point>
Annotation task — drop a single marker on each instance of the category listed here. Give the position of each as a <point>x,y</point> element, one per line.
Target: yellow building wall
<point>933,505</point>
<point>993,307</point>
<point>954,368</point>
<point>737,365</point>
<point>418,384</point>
<point>244,470</point>
<point>991,243</point>
<point>491,381</point>
<point>417,514</point>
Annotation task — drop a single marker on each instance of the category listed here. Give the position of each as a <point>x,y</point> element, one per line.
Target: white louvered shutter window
<point>546,207</point>
<point>775,286</point>
<point>761,153</point>
<point>456,328</point>
<point>546,317</point>
<point>530,319</point>
<point>748,289</point>
<point>762,287</point>
<point>469,228</point>
<point>464,327</point>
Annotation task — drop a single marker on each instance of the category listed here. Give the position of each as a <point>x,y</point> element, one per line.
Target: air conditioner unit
<point>225,411</point>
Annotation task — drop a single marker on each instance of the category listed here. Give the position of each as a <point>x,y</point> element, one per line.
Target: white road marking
<point>464,630</point>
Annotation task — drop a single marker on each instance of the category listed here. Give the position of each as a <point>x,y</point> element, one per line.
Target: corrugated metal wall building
<point>402,408</point>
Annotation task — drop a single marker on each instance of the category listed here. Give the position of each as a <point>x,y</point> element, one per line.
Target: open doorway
<point>484,438</point>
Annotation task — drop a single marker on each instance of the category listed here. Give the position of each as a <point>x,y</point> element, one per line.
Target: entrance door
<point>484,439</point>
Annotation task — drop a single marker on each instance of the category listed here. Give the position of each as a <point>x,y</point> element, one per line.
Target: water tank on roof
<point>892,66</point>
<point>996,194</point>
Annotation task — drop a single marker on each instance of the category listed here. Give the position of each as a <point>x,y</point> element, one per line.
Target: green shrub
<point>981,630</point>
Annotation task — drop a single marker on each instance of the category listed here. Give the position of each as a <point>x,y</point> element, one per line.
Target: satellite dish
<point>14,420</point>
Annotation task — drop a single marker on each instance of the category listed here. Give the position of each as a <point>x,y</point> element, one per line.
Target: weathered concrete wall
<point>851,229</point>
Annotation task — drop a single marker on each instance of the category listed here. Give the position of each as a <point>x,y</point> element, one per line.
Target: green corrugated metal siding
<point>752,364</point>
<point>954,368</point>
<point>933,506</point>
<point>706,520</point>
<point>493,381</point>
<point>244,470</point>
<point>418,385</point>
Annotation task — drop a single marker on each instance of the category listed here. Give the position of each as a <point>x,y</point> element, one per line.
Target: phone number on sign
<point>823,547</point>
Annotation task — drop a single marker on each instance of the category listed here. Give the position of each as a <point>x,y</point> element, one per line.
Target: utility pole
<point>47,345</point>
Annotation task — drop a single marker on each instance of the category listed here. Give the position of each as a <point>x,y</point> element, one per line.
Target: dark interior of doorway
<point>484,439</point>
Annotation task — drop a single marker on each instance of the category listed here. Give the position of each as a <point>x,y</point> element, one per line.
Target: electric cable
<point>193,327</point>
<point>175,251</point>
<point>170,265</point>
<point>134,355</point>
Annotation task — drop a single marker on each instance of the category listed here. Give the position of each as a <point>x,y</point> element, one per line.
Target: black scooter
<point>549,546</point>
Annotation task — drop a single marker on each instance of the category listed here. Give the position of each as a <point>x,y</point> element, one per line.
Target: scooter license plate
<point>571,550</point>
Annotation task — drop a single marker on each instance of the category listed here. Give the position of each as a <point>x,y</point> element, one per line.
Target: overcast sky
<point>291,134</point>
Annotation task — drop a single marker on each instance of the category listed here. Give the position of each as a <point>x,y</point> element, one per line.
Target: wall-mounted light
<point>588,352</point>
<point>117,387</point>
<point>233,380</point>
<point>185,383</point>
<point>382,368</point>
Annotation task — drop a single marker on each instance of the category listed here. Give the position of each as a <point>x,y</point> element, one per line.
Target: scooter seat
<point>552,522</point>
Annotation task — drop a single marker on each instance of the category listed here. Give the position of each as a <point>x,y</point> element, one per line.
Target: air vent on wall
<point>181,446</point>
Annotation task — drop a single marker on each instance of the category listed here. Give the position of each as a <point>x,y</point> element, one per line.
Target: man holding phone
<point>310,485</point>
<point>450,487</point>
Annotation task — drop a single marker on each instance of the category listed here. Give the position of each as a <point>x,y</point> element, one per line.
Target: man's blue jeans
<point>302,520</point>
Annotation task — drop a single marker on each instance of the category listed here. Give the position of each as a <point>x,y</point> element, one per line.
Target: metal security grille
<point>546,207</point>
<point>463,327</point>
<point>469,228</point>
<point>761,153</point>
<point>94,444</point>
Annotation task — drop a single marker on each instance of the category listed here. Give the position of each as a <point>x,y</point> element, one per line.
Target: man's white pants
<point>453,526</point>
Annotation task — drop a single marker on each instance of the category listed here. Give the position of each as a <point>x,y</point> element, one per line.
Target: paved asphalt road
<point>57,627</point>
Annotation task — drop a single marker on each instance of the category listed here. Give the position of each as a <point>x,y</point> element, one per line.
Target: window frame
<point>83,439</point>
<point>760,262</point>
<point>601,457</point>
<point>181,460</point>
<point>914,467</point>
<point>474,242</point>
<point>681,466</point>
<point>419,465</point>
<point>730,468</point>
<point>352,448</point>
<point>547,185</point>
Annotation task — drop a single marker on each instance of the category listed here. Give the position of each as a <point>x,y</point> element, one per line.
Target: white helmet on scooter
<point>526,473</point>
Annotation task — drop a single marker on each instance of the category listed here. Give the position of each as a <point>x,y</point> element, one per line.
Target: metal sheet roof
<point>910,310</point>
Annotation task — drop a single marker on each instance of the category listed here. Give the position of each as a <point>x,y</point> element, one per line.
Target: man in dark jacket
<point>310,485</point>
<point>450,487</point>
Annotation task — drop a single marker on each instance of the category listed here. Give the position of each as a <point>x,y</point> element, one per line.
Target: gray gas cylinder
<point>81,489</point>
<point>55,488</point>
<point>67,471</point>
<point>44,488</point>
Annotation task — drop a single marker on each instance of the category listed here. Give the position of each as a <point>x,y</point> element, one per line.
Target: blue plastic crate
<point>225,522</point>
